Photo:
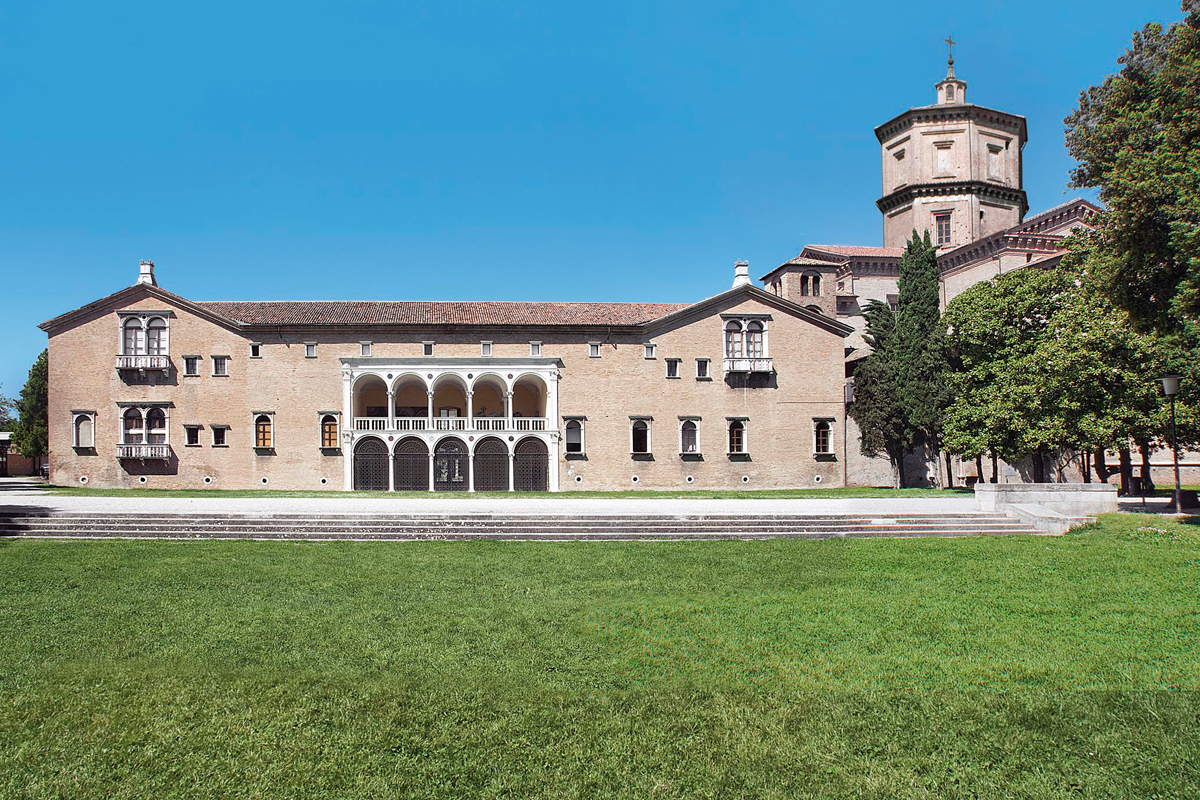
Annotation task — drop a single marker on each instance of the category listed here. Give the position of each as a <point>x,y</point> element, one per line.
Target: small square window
<point>364,349</point>
<point>593,349</point>
<point>701,368</point>
<point>220,366</point>
<point>255,350</point>
<point>310,349</point>
<point>649,351</point>
<point>535,349</point>
<point>219,438</point>
<point>191,366</point>
<point>485,348</point>
<point>426,348</point>
<point>672,367</point>
<point>191,435</point>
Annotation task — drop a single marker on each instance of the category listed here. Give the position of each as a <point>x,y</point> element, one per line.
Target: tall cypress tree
<point>32,433</point>
<point>877,409</point>
<point>920,351</point>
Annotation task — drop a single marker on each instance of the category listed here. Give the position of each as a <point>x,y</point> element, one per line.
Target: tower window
<point>942,222</point>
<point>943,158</point>
<point>950,91</point>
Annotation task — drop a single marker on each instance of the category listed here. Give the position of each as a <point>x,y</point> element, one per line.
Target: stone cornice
<point>941,113</point>
<point>907,194</point>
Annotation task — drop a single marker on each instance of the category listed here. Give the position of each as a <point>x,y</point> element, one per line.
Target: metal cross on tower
<point>950,41</point>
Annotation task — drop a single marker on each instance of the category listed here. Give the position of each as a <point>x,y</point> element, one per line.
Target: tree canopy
<point>31,434</point>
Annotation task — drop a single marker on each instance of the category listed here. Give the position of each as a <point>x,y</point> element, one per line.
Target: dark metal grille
<point>531,466</point>
<point>412,466</point>
<point>370,466</point>
<point>491,466</point>
<point>450,466</point>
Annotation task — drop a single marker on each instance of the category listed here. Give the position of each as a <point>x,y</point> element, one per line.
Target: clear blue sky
<point>502,150</point>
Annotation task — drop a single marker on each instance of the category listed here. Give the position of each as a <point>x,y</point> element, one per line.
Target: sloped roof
<point>379,312</point>
<point>857,251</point>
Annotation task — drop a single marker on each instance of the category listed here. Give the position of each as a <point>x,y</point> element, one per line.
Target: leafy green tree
<point>1136,137</point>
<point>31,435</point>
<point>920,351</point>
<point>876,408</point>
<point>6,408</point>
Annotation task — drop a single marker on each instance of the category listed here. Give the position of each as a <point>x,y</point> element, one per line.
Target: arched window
<point>733,339</point>
<point>156,426</point>
<point>84,431</point>
<point>574,431</point>
<point>737,437</point>
<point>156,337</point>
<point>132,428</point>
<point>640,436</point>
<point>134,340</point>
<point>262,432</point>
<point>804,286</point>
<point>329,431</point>
<point>816,285</point>
<point>689,437</point>
<point>822,443</point>
<point>754,340</point>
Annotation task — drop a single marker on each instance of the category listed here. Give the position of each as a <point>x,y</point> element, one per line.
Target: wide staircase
<point>413,527</point>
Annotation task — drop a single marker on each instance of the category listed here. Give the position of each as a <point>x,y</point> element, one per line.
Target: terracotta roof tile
<point>853,251</point>
<point>374,312</point>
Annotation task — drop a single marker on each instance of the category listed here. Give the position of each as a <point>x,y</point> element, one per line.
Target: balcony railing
<point>748,365</point>
<point>144,362</point>
<point>146,452</point>
<point>405,424</point>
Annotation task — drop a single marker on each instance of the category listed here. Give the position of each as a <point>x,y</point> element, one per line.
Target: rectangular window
<point>255,350</point>
<point>593,349</point>
<point>191,366</point>
<point>649,351</point>
<point>220,366</point>
<point>943,228</point>
<point>426,348</point>
<point>191,435</point>
<point>994,161</point>
<point>364,349</point>
<point>219,437</point>
<point>672,367</point>
<point>535,349</point>
<point>943,159</point>
<point>701,369</point>
<point>310,349</point>
<point>329,432</point>
<point>485,348</point>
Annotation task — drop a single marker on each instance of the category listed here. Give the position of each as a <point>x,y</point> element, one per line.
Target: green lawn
<point>1025,667</point>
<point>700,494</point>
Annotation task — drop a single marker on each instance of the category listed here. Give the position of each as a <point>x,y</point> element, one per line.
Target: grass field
<point>698,494</point>
<point>991,667</point>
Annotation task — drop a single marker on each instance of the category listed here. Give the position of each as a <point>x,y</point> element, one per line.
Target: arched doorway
<point>531,466</point>
<point>370,466</point>
<point>411,462</point>
<point>491,465</point>
<point>450,466</point>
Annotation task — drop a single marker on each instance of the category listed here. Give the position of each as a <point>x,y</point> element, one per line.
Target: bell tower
<point>952,168</point>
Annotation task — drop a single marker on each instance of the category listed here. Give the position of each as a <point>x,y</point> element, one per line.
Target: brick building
<point>743,389</point>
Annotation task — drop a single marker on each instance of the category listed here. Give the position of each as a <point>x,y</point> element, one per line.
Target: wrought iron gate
<point>531,467</point>
<point>371,466</point>
<point>491,466</point>
<point>412,466</point>
<point>450,466</point>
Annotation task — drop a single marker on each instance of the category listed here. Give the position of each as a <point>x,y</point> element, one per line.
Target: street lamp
<point>1170,384</point>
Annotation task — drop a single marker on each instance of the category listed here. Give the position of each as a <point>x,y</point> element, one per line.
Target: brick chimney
<point>146,273</point>
<point>741,274</point>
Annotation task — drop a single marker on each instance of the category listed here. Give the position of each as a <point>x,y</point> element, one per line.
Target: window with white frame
<point>156,426</point>
<point>310,349</point>
<point>157,343</point>
<point>672,367</point>
<point>83,429</point>
<point>145,335</point>
<point>993,161</point>
<point>733,339</point>
<point>220,366</point>
<point>648,350</point>
<point>593,349</point>
<point>144,425</point>
<point>329,431</point>
<point>746,338</point>
<point>220,435</point>
<point>485,348</point>
<point>191,366</point>
<point>702,369</point>
<point>191,435</point>
<point>942,223</point>
<point>264,432</point>
<point>639,436</point>
<point>573,433</point>
<point>689,436</point>
<point>256,350</point>
<point>822,436</point>
<point>426,348</point>
<point>133,427</point>
<point>755,342</point>
<point>364,349</point>
<point>535,349</point>
<point>737,437</point>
